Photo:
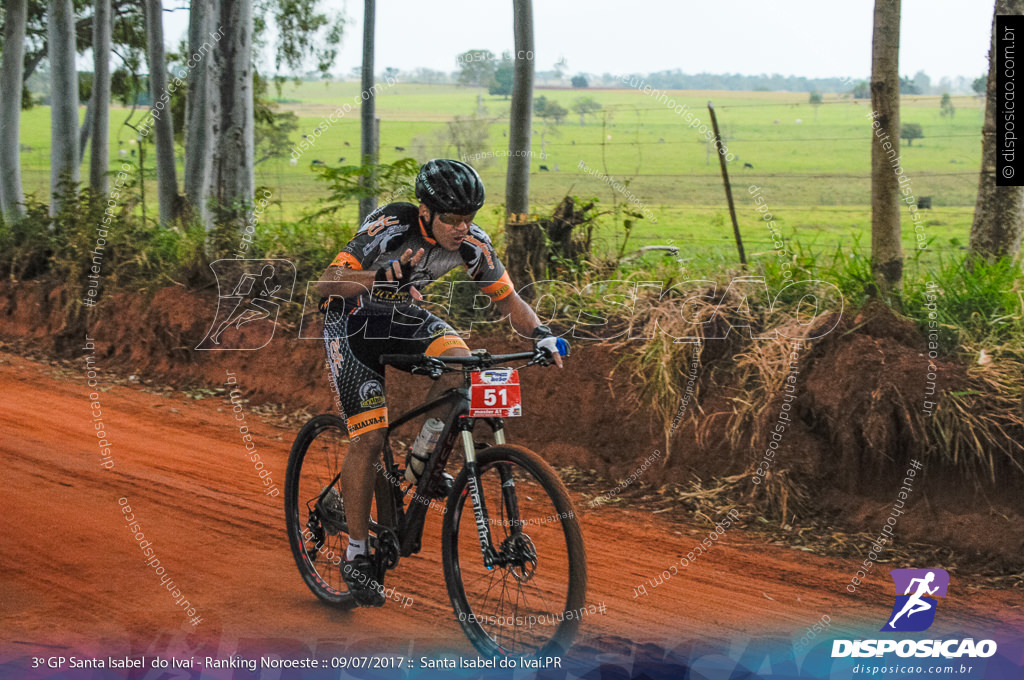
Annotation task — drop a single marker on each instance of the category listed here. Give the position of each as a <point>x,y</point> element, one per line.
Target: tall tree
<point>64,95</point>
<point>517,182</point>
<point>11,196</point>
<point>221,110</point>
<point>886,248</point>
<point>369,108</point>
<point>999,211</point>
<point>202,107</point>
<point>99,161</point>
<point>233,164</point>
<point>163,125</point>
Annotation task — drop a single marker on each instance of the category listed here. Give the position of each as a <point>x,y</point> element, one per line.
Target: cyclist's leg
<point>360,383</point>
<point>434,337</point>
<point>357,481</point>
<point>361,392</point>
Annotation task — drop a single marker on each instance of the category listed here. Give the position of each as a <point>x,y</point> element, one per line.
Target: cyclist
<point>368,301</point>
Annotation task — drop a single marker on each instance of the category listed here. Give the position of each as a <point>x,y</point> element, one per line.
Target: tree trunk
<point>201,108</point>
<point>999,211</point>
<point>99,160</point>
<point>886,248</point>
<point>235,181</point>
<point>12,199</point>
<point>525,252</point>
<point>163,128</point>
<point>64,95</point>
<point>369,151</point>
<point>85,130</point>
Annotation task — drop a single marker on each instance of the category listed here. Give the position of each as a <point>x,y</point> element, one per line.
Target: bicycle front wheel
<point>529,605</point>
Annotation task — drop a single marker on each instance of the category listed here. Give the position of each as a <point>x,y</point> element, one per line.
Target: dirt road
<point>72,577</point>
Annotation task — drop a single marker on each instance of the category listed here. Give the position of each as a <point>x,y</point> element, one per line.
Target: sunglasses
<point>451,219</point>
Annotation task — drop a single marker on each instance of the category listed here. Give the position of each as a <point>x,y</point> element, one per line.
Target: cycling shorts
<point>357,332</point>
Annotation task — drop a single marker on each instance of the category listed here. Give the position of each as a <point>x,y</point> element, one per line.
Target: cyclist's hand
<point>401,269</point>
<point>556,347</point>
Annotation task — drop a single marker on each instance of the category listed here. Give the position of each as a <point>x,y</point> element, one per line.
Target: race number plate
<point>495,394</point>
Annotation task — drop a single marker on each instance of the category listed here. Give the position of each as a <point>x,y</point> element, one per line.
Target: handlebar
<point>421,364</point>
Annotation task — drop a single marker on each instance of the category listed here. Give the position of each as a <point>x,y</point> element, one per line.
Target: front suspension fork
<point>480,516</point>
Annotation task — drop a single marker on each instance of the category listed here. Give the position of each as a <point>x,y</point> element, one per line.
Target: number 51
<point>491,396</point>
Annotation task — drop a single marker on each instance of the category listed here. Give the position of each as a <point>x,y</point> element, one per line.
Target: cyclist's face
<point>451,229</point>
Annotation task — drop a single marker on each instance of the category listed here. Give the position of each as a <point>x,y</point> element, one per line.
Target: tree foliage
<point>476,68</point>
<point>545,108</point>
<point>501,84</point>
<point>910,132</point>
<point>585,106</point>
<point>347,183</point>
<point>947,110</point>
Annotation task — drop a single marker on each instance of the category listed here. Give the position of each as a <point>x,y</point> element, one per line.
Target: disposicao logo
<point>915,608</point>
<point>914,611</point>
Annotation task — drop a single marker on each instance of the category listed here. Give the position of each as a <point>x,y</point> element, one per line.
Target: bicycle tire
<point>549,480</point>
<point>295,509</point>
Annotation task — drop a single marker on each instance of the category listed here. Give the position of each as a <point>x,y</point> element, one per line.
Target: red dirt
<point>853,432</point>
<point>73,578</point>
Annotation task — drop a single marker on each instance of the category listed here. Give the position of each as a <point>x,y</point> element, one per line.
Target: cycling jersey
<point>357,330</point>
<point>390,230</point>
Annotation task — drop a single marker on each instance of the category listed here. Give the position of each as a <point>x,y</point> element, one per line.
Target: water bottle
<point>425,442</point>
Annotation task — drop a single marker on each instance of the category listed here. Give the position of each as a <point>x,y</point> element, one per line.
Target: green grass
<point>813,175</point>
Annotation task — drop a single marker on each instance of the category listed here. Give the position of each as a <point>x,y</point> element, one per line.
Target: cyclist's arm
<point>345,282</point>
<point>522,316</point>
<point>346,279</point>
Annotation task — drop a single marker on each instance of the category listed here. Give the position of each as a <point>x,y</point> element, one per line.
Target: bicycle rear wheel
<point>530,605</point>
<point>315,509</point>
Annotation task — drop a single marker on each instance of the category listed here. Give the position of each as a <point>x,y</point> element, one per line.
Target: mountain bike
<point>512,551</point>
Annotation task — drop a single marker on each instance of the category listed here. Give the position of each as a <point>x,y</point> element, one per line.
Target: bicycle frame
<point>408,522</point>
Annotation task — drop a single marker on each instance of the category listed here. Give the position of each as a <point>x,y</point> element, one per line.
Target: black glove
<point>387,273</point>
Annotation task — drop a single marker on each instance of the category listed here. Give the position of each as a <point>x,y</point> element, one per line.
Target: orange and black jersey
<point>392,229</point>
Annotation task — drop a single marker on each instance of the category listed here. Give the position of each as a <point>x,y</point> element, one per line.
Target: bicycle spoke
<point>522,608</point>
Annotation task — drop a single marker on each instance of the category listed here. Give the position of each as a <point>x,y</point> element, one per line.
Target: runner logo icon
<point>914,609</point>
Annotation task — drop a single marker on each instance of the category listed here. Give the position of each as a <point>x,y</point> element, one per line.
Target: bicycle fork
<point>490,555</point>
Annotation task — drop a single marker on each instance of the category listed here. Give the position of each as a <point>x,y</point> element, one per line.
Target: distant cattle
<point>293,162</point>
<point>347,144</point>
<point>798,121</point>
<point>341,159</point>
<point>661,140</point>
<point>544,168</point>
<point>318,162</point>
<point>748,165</point>
<point>775,122</point>
<point>399,148</point>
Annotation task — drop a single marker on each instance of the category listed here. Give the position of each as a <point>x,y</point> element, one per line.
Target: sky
<point>812,38</point>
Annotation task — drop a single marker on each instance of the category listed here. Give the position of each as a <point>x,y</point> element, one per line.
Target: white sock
<point>355,548</point>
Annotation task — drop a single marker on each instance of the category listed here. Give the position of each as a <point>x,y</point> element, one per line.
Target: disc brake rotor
<point>522,562</point>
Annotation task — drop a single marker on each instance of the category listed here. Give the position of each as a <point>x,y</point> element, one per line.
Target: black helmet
<point>448,186</point>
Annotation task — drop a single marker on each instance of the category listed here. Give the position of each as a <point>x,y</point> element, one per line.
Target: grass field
<point>812,173</point>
